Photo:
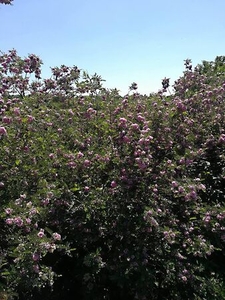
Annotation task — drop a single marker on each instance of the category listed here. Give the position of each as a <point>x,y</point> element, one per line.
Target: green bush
<point>110,197</point>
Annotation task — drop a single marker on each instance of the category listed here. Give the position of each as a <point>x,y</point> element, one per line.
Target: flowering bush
<point>104,196</point>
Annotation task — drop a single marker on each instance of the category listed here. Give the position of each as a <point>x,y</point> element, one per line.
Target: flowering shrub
<point>104,196</point>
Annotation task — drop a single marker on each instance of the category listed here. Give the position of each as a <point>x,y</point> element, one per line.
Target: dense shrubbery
<point>106,197</point>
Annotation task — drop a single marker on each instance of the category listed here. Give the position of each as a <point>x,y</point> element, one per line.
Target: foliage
<point>104,196</point>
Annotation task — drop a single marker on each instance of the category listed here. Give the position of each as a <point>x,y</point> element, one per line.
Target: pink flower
<point>41,233</point>
<point>180,189</point>
<point>3,131</point>
<point>45,201</point>
<point>134,126</point>
<point>206,219</point>
<point>36,256</point>
<point>9,221</point>
<point>126,139</point>
<point>30,119</point>
<point>184,278</point>
<point>87,163</point>
<point>123,122</point>
<point>6,120</point>
<point>113,184</point>
<point>193,195</point>
<point>86,188</point>
<point>80,154</point>
<point>16,111</point>
<point>222,139</point>
<point>36,268</point>
<point>8,211</point>
<point>140,118</point>
<point>51,155</point>
<point>174,184</point>
<point>18,221</point>
<point>56,236</point>
<point>28,220</point>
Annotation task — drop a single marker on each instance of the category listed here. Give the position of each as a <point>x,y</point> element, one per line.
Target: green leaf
<point>6,273</point>
<point>17,162</point>
<point>75,188</point>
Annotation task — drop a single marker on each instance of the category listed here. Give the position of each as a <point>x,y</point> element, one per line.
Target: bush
<point>110,197</point>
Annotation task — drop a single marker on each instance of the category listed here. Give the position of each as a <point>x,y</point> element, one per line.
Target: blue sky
<point>124,41</point>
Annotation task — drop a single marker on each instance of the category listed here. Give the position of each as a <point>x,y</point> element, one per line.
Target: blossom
<point>8,211</point>
<point>28,220</point>
<point>56,236</point>
<point>134,126</point>
<point>80,154</point>
<point>222,139</point>
<point>3,131</point>
<point>87,163</point>
<point>18,221</point>
<point>17,111</point>
<point>30,118</point>
<point>36,256</point>
<point>41,233</point>
<point>6,120</point>
<point>36,268</point>
<point>86,188</point>
<point>180,189</point>
<point>9,221</point>
<point>184,278</point>
<point>123,122</point>
<point>113,184</point>
<point>206,219</point>
<point>174,184</point>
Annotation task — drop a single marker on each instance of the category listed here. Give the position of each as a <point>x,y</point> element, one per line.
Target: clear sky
<point>124,41</point>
